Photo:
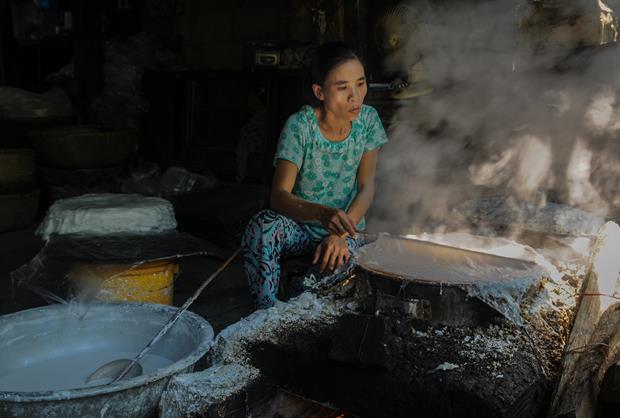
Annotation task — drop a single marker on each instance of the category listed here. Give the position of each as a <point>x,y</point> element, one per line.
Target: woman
<point>324,176</point>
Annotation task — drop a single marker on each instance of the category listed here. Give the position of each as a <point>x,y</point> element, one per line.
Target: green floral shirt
<point>327,169</point>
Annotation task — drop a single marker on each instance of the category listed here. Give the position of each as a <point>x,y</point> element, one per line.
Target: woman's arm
<point>365,186</point>
<point>283,201</point>
<point>333,251</point>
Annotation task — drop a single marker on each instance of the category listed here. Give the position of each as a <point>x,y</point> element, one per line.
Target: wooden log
<point>594,342</point>
<point>610,387</point>
<point>287,404</point>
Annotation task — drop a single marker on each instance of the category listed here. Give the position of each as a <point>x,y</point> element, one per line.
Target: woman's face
<point>344,90</point>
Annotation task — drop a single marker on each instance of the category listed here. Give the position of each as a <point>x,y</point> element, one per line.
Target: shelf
<point>206,126</point>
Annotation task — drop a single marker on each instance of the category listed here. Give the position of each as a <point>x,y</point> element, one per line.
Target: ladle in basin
<point>125,368</point>
<point>114,368</point>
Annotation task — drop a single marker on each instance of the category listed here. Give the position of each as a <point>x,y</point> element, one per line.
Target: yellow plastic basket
<point>150,282</point>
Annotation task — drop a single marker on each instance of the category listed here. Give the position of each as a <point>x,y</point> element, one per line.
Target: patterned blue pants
<point>268,237</point>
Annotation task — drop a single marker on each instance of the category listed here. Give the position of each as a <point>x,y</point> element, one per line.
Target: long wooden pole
<point>594,342</point>
<point>176,315</point>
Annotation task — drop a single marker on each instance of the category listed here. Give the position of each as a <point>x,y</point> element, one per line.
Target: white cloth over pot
<point>99,214</point>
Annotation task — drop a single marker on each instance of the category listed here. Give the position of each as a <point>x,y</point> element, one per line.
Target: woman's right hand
<point>337,222</point>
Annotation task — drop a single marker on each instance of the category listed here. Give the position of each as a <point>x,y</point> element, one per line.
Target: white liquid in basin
<point>70,372</point>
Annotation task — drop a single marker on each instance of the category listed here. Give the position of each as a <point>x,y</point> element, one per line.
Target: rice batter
<point>70,372</point>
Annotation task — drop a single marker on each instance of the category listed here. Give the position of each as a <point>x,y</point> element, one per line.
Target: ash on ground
<point>273,325</point>
<point>497,368</point>
<point>547,311</point>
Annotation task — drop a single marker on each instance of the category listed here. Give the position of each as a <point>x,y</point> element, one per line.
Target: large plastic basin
<point>54,335</point>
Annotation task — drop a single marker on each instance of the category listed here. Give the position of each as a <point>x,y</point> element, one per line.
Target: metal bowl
<point>57,332</point>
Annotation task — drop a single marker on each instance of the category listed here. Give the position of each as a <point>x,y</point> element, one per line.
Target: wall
<point>214,33</point>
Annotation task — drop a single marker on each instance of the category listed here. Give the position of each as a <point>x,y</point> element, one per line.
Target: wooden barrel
<point>17,171</point>
<point>18,210</point>
<point>83,146</point>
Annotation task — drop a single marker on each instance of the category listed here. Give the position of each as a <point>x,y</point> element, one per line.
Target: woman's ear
<point>318,92</point>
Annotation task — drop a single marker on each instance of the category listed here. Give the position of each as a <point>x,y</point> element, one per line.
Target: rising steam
<point>517,110</point>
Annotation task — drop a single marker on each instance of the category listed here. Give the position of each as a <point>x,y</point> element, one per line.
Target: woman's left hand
<point>333,252</point>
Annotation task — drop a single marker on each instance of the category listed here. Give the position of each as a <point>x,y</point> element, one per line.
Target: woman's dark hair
<point>324,59</point>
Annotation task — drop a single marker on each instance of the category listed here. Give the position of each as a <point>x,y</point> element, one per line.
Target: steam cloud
<point>506,118</point>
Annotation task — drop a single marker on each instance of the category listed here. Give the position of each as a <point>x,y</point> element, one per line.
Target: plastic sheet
<point>48,272</point>
<point>174,181</point>
<point>313,280</point>
<point>121,101</point>
<point>125,62</point>
<point>552,218</point>
<point>22,105</point>
<point>64,184</point>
